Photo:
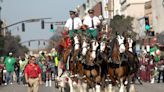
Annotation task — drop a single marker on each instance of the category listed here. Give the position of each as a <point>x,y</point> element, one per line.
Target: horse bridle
<point>76,43</point>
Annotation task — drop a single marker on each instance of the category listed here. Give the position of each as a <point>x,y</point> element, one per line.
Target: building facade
<point>101,7</point>
<point>114,8</point>
<point>81,9</point>
<point>158,13</point>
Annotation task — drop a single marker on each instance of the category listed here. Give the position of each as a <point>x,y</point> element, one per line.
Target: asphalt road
<point>21,88</point>
<point>146,87</point>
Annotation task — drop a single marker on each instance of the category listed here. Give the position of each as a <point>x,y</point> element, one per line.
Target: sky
<point>17,10</point>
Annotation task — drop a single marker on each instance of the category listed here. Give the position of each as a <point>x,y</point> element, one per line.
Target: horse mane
<point>115,50</point>
<point>62,42</point>
<point>88,55</point>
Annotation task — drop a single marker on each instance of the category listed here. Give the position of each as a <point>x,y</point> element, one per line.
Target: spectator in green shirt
<point>9,65</point>
<point>23,62</point>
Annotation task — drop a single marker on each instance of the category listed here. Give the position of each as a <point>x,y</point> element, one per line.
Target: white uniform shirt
<point>88,21</point>
<point>77,23</point>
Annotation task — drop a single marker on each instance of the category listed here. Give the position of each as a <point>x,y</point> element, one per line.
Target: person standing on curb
<point>33,75</point>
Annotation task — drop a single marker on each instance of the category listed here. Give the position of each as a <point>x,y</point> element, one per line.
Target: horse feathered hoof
<point>107,80</point>
<point>132,88</point>
<point>126,83</point>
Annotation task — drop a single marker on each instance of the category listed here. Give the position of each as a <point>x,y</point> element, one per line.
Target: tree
<point>121,24</point>
<point>12,44</point>
<point>55,39</point>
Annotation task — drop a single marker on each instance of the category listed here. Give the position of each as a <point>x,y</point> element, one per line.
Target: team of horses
<point>101,62</point>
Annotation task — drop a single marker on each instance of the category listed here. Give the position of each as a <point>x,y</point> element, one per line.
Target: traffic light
<point>42,24</point>
<point>51,28</point>
<point>147,25</point>
<point>23,27</point>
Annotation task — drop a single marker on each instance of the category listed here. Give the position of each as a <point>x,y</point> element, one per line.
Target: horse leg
<point>130,86</point>
<point>71,84</point>
<point>94,72</point>
<point>72,68</point>
<point>111,76</point>
<point>79,67</point>
<point>65,56</point>
<point>89,82</point>
<point>88,79</point>
<point>98,82</point>
<point>138,78</point>
<point>122,87</point>
<point>74,60</point>
<point>66,59</point>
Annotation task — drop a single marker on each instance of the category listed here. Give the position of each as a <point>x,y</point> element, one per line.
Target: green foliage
<point>122,24</point>
<point>12,44</point>
<point>55,39</point>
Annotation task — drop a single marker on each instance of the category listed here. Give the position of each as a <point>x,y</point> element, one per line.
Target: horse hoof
<point>126,83</point>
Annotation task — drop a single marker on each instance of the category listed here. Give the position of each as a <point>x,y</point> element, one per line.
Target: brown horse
<point>83,54</point>
<point>66,50</point>
<point>102,59</point>
<point>75,54</point>
<point>118,69</point>
<point>133,61</point>
<point>92,69</point>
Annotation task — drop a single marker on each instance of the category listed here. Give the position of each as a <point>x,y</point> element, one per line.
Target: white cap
<point>10,53</point>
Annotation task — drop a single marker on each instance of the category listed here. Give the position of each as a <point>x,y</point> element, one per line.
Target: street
<point>146,87</point>
<point>20,88</point>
